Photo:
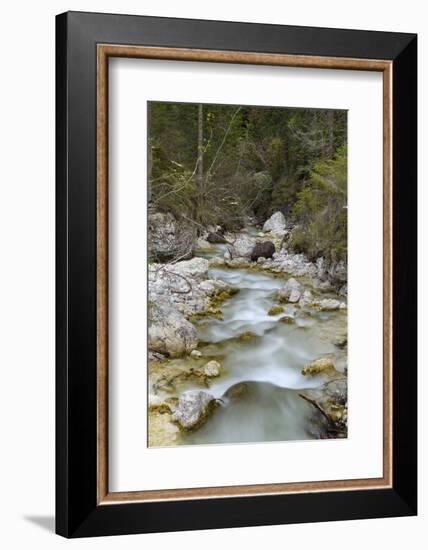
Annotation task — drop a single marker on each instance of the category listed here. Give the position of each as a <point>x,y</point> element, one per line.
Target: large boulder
<point>242,247</point>
<point>193,408</point>
<point>275,224</point>
<point>331,399</point>
<point>195,269</point>
<point>264,249</point>
<point>185,285</point>
<point>291,291</point>
<point>169,238</point>
<point>169,332</point>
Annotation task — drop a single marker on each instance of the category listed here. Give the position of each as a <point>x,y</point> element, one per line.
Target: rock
<point>202,244</point>
<point>169,332</point>
<point>239,263</point>
<point>169,238</point>
<point>285,240</point>
<point>331,399</point>
<point>184,285</point>
<point>261,260</point>
<point>242,247</point>
<point>338,272</point>
<point>323,365</point>
<point>294,264</point>
<point>276,310</point>
<point>241,389</point>
<point>306,298</point>
<point>287,319</point>
<point>195,354</point>
<point>291,291</point>
<point>329,304</point>
<point>171,376</point>
<point>341,343</point>
<point>195,269</point>
<point>324,286</point>
<point>248,335</point>
<point>154,401</point>
<point>162,431</point>
<point>275,224</point>
<point>193,409</point>
<point>264,249</point>
<point>212,369</point>
<point>216,238</point>
<point>156,356</point>
<point>343,291</point>
<point>217,261</point>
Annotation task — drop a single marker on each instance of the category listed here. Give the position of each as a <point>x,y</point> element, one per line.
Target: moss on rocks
<point>287,319</point>
<point>247,335</point>
<point>324,365</point>
<point>216,300</point>
<point>276,310</point>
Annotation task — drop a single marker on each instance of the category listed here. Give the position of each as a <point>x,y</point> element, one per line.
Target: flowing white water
<point>269,363</point>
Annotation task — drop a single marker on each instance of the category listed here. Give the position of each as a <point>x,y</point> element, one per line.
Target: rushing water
<point>258,391</point>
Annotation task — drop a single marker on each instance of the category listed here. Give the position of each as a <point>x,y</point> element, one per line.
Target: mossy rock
<point>276,310</point>
<point>248,335</point>
<point>287,319</point>
<point>324,365</point>
<point>210,312</point>
<point>214,308</point>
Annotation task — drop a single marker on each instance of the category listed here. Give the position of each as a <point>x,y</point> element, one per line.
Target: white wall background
<point>27,271</point>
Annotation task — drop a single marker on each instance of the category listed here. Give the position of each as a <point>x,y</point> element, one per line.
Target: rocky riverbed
<point>244,347</point>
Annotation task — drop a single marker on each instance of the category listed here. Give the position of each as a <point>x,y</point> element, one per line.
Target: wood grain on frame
<point>104,51</point>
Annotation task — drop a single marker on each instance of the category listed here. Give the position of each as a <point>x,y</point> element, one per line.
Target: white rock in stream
<point>196,354</point>
<point>275,224</point>
<point>291,291</point>
<point>242,247</point>
<point>294,264</point>
<point>184,285</point>
<point>169,332</point>
<point>329,304</point>
<point>212,369</point>
<point>193,408</point>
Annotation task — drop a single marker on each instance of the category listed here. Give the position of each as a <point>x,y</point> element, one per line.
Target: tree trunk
<point>200,165</point>
<point>200,143</point>
<point>330,127</point>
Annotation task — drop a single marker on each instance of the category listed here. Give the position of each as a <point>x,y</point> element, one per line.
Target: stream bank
<point>261,353</point>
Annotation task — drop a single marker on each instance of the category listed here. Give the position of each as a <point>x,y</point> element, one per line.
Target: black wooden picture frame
<point>79,512</point>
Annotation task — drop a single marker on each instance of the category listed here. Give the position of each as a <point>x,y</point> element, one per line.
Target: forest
<point>221,164</point>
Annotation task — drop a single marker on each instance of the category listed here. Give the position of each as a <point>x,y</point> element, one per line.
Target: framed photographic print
<point>236,274</point>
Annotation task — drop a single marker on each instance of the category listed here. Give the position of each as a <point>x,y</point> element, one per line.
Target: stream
<point>259,389</point>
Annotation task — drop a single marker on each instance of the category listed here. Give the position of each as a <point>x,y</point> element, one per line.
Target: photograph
<point>247,230</point>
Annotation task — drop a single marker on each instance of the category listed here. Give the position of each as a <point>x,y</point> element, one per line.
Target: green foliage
<point>220,164</point>
<point>321,210</point>
<point>284,193</point>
